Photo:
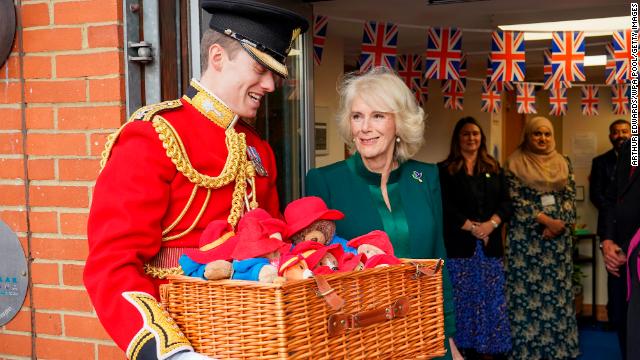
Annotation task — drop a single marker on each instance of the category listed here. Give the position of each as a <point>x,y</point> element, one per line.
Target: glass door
<point>163,54</point>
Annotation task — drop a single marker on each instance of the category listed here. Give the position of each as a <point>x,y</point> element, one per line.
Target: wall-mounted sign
<point>7,28</point>
<point>13,274</point>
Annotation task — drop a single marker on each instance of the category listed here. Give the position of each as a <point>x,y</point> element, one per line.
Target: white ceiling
<point>414,16</point>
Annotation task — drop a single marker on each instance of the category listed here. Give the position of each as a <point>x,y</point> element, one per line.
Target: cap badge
<point>294,35</point>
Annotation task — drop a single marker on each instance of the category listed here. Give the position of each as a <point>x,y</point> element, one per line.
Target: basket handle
<point>422,270</point>
<point>325,291</point>
<point>339,323</point>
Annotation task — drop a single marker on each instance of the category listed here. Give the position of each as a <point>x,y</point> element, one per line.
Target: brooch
<point>417,175</point>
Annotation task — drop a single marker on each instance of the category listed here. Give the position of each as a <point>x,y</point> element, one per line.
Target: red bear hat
<point>216,243</point>
<point>303,212</point>
<point>381,259</point>
<point>254,240</point>
<point>377,238</point>
<point>274,227</point>
<point>349,261</point>
<point>313,251</point>
<point>287,261</point>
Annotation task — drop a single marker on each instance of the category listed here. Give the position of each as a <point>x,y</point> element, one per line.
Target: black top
<point>603,168</point>
<point>476,198</point>
<point>622,205</point>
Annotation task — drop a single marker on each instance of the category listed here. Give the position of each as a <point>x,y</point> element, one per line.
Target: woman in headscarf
<point>539,261</point>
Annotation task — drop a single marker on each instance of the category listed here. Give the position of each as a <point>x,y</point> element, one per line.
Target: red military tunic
<point>154,197</point>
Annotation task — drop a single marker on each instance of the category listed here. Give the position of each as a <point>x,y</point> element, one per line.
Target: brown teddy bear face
<point>321,231</point>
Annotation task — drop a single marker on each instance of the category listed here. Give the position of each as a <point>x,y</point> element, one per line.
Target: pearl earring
<point>398,139</point>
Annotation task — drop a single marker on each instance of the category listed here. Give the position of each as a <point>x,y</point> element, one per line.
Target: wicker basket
<point>248,320</point>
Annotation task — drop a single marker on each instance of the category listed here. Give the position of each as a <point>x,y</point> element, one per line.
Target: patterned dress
<point>539,290</point>
<point>482,323</point>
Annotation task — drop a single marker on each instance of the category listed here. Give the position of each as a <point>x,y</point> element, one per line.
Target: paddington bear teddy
<point>377,247</point>
<point>320,259</point>
<point>309,219</point>
<point>351,262</point>
<point>294,267</point>
<point>257,251</point>
<point>212,259</point>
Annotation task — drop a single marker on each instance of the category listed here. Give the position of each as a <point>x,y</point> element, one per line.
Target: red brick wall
<point>70,76</point>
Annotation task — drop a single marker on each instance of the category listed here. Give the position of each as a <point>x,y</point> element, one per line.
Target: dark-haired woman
<point>476,203</point>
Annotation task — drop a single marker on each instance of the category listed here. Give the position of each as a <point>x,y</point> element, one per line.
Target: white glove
<point>189,355</point>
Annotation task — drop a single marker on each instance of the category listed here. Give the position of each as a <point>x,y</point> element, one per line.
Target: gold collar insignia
<point>210,106</point>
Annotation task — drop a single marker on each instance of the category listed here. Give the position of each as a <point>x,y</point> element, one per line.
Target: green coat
<point>414,226</point>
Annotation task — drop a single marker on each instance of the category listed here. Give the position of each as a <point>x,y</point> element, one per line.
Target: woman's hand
<point>482,231</point>
<point>455,354</point>
<point>553,227</point>
<point>556,227</point>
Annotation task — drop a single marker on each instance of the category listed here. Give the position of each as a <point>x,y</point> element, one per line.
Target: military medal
<point>257,162</point>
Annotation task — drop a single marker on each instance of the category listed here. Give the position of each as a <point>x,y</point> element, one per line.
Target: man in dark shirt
<point>609,180</point>
<point>604,165</point>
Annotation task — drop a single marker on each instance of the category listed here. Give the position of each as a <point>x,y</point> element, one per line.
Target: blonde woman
<point>379,187</point>
<point>539,250</point>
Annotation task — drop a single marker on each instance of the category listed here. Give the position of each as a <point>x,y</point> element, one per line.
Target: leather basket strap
<point>328,293</point>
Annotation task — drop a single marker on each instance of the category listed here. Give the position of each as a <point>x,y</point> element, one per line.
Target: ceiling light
<point>595,60</point>
<point>591,27</point>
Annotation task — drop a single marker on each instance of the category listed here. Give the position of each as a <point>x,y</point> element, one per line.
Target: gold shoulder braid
<point>145,113</point>
<point>237,167</point>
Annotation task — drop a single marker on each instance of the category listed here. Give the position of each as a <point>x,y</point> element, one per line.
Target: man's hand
<point>613,257</point>
<point>188,355</point>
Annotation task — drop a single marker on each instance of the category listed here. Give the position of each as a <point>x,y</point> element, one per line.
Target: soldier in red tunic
<point>178,165</point>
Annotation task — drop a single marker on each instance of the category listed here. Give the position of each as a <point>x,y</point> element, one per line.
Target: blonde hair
<point>384,91</point>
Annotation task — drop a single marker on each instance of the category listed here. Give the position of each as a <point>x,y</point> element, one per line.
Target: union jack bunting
<point>589,100</point>
<point>610,68</point>
<point>622,53</point>
<point>379,41</point>
<point>490,98</point>
<point>549,81</point>
<point>423,94</point>
<point>444,53</point>
<point>620,99</point>
<point>489,69</point>
<point>507,56</point>
<point>453,94</point>
<point>500,85</point>
<point>320,24</point>
<point>410,70</point>
<point>567,56</point>
<point>558,101</point>
<point>463,72</point>
<point>526,98</point>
